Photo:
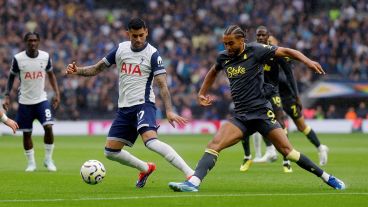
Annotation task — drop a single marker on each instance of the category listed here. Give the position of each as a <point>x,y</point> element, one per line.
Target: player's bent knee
<point>293,155</point>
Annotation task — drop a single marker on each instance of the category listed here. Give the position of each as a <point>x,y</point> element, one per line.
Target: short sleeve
<point>264,52</point>
<point>14,67</point>
<point>49,65</point>
<point>218,64</point>
<point>157,65</point>
<point>110,57</point>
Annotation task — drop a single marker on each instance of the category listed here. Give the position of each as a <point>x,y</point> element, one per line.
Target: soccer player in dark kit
<point>281,88</point>
<point>271,68</point>
<point>292,105</point>
<point>242,64</point>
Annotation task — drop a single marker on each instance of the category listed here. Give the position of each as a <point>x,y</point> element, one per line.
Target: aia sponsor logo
<point>131,69</point>
<point>33,75</point>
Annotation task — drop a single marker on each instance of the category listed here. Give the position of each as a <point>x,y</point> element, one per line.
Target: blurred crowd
<point>188,36</point>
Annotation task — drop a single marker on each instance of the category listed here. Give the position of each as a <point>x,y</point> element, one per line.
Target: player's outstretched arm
<point>203,99</point>
<point>294,54</point>
<point>9,122</point>
<point>91,70</point>
<point>166,98</point>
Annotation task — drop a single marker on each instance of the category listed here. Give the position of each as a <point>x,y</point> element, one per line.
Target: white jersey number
<point>140,115</point>
<point>48,113</point>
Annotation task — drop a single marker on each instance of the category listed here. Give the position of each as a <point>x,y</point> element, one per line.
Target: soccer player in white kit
<point>32,65</point>
<point>138,63</point>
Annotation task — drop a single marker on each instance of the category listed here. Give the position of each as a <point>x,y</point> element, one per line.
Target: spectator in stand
<point>320,115</point>
<point>362,111</point>
<point>331,112</point>
<point>351,114</point>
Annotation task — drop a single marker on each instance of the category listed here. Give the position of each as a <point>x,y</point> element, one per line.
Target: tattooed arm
<point>166,98</point>
<point>164,91</point>
<point>90,70</point>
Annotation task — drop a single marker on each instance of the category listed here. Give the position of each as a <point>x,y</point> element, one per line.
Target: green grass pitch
<point>263,185</point>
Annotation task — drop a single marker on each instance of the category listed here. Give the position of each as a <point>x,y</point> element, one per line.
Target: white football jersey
<point>32,75</point>
<point>137,69</point>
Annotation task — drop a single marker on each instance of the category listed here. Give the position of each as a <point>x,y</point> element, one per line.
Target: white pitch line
<point>183,195</point>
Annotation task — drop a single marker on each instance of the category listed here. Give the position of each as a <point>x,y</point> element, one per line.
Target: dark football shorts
<point>277,107</point>
<point>262,121</point>
<point>28,113</point>
<point>292,108</point>
<point>131,121</point>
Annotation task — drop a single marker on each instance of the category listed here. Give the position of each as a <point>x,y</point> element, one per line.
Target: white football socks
<point>248,157</point>
<point>170,155</point>
<point>195,180</point>
<point>49,149</point>
<point>30,156</point>
<point>257,139</point>
<point>125,158</point>
<point>325,176</point>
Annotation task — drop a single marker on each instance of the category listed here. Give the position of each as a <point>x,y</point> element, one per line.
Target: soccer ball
<point>92,172</point>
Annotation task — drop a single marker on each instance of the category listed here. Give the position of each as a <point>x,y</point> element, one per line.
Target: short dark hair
<point>25,38</point>
<point>136,24</point>
<point>262,28</point>
<point>235,30</point>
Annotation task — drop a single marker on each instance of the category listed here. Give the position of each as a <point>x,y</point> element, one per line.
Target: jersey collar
<point>38,53</point>
<point>242,52</point>
<point>140,49</point>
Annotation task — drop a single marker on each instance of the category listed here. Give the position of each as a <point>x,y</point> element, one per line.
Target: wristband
<point>4,118</point>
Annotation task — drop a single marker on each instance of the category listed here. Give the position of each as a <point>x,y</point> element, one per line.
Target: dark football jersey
<point>271,72</point>
<point>245,73</point>
<point>287,85</point>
